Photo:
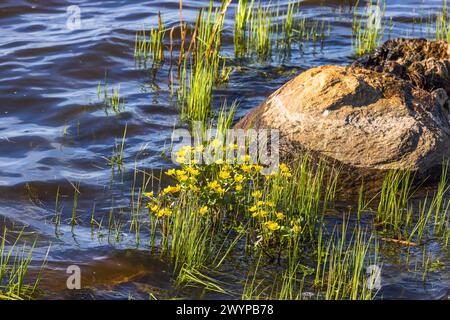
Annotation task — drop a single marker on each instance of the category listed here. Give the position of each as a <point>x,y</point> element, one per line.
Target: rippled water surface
<point>54,131</point>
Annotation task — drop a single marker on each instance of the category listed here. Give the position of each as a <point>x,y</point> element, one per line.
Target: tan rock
<point>361,118</point>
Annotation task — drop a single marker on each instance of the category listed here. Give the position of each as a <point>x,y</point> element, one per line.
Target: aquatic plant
<point>117,154</point>
<point>394,196</point>
<point>202,67</point>
<point>442,24</point>
<point>266,32</point>
<point>15,283</point>
<point>243,12</point>
<point>368,31</point>
<point>150,48</point>
<point>343,273</point>
<point>396,217</point>
<point>76,192</point>
<point>261,31</point>
<point>111,101</point>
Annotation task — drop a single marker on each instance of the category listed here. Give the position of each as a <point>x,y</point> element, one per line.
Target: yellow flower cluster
<point>285,171</point>
<point>260,209</point>
<point>171,189</point>
<point>159,212</point>
<point>204,210</point>
<point>272,225</point>
<point>220,186</point>
<point>215,186</point>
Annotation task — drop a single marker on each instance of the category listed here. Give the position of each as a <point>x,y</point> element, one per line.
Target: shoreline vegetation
<point>203,218</point>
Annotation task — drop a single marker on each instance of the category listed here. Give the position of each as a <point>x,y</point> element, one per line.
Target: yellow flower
<point>270,204</point>
<point>296,228</point>
<point>171,189</point>
<point>180,160</point>
<point>148,194</point>
<point>253,209</point>
<point>194,188</point>
<point>238,188</point>
<point>224,175</point>
<point>246,168</point>
<point>233,146</point>
<point>170,172</point>
<point>245,158</point>
<point>257,168</point>
<point>193,171</point>
<point>154,208</point>
<point>165,212</point>
<point>260,203</point>
<point>216,143</point>
<point>239,178</point>
<point>184,151</point>
<point>219,161</point>
<point>280,215</point>
<point>204,210</point>
<point>220,190</point>
<point>181,154</point>
<point>213,185</point>
<point>287,174</point>
<point>257,194</point>
<point>199,148</point>
<point>183,178</point>
<point>263,213</point>
<point>272,225</point>
<point>285,171</point>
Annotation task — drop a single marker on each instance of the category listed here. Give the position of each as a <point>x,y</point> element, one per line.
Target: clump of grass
<point>266,31</point>
<point>261,31</point>
<point>243,13</point>
<point>440,205</point>
<point>15,283</point>
<point>288,26</point>
<point>368,31</point>
<point>393,204</point>
<point>342,275</point>
<point>116,159</point>
<point>307,193</point>
<point>195,278</point>
<point>442,24</point>
<point>197,105</point>
<point>397,217</point>
<point>203,68</point>
<point>149,44</point>
<point>222,201</point>
<point>113,100</point>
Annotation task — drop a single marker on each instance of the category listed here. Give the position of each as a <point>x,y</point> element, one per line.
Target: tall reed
<point>368,31</point>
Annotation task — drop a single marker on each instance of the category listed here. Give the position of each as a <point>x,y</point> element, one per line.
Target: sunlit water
<point>54,130</point>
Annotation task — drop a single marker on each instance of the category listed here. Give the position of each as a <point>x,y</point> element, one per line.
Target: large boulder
<point>361,118</point>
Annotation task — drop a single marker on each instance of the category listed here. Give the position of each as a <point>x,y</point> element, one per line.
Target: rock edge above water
<point>362,117</point>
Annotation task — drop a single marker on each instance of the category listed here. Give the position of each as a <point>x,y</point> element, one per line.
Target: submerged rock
<point>358,117</point>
